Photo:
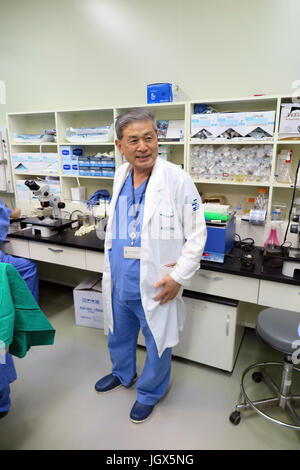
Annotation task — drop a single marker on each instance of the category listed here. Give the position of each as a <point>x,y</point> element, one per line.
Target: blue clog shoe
<point>110,382</point>
<point>140,412</point>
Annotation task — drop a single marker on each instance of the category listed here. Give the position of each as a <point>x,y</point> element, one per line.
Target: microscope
<point>48,220</point>
<point>50,203</point>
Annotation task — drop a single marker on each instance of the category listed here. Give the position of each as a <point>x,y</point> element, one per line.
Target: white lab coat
<point>173,231</point>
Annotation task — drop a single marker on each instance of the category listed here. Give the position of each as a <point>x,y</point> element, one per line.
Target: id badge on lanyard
<point>134,252</point>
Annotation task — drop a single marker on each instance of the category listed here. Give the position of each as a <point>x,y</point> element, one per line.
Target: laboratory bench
<point>222,299</point>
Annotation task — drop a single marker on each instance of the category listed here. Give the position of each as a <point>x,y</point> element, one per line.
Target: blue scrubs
<point>26,268</point>
<point>128,313</point>
<point>28,271</point>
<point>7,376</point>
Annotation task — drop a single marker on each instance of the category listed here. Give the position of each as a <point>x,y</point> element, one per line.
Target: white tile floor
<point>54,405</point>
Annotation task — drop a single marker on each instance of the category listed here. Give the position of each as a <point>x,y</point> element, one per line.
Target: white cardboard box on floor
<point>88,303</point>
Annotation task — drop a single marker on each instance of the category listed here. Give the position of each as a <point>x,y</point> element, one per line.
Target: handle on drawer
<point>54,250</point>
<point>215,278</point>
<point>227,325</point>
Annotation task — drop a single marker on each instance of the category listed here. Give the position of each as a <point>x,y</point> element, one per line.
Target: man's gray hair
<point>135,114</point>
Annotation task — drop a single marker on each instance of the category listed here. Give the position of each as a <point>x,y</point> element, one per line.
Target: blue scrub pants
<point>129,318</point>
<point>28,271</point>
<point>7,375</point>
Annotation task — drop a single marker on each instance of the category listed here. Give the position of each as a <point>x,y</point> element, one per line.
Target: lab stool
<point>279,329</point>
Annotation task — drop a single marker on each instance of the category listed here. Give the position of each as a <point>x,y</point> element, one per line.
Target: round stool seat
<point>279,328</point>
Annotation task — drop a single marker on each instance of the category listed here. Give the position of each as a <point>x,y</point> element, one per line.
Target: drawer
<point>279,295</point>
<point>94,261</point>
<point>17,248</point>
<point>57,254</point>
<point>225,285</point>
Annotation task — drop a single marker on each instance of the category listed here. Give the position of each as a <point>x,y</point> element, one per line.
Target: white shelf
<point>230,142</point>
<point>161,142</point>
<point>89,177</point>
<point>235,183</point>
<point>33,144</point>
<point>32,173</point>
<point>288,142</point>
<point>283,185</point>
<point>87,143</point>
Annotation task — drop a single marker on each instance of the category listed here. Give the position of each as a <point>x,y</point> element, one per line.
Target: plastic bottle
<point>272,239</point>
<point>239,208</point>
<point>284,170</point>
<point>250,205</point>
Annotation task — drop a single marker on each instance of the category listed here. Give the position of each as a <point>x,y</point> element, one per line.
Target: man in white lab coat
<point>155,238</point>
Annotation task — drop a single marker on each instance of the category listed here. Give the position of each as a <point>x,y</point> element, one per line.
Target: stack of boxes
<point>69,159</point>
<point>74,162</point>
<point>233,125</point>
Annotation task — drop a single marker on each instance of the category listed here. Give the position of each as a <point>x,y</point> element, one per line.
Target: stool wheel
<point>235,417</point>
<point>257,377</point>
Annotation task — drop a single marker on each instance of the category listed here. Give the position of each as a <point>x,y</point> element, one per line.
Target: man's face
<point>139,145</point>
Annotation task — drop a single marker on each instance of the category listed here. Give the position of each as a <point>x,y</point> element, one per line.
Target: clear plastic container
<point>261,202</point>
<point>279,211</point>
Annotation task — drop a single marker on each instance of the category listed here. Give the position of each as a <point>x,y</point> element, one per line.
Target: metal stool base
<point>282,397</point>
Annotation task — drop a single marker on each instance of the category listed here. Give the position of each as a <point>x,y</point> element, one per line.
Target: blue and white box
<point>162,93</point>
<point>71,151</point>
<point>88,303</point>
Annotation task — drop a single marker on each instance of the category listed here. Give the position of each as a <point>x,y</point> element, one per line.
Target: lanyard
<point>136,213</point>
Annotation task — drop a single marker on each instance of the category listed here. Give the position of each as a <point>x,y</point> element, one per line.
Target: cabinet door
<point>275,294</point>
<point>94,261</point>
<point>210,335</point>
<point>17,248</point>
<point>225,285</point>
<point>57,254</point>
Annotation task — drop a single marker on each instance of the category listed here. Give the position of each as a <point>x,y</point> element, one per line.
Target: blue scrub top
<point>125,273</point>
<point>4,220</point>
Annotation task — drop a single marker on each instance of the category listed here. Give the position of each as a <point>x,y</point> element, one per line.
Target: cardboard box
<point>216,125</point>
<point>230,121</point>
<point>170,129</point>
<point>50,162</point>
<point>264,120</point>
<point>88,303</point>
<point>162,93</point>
<point>289,126</point>
<point>204,126</point>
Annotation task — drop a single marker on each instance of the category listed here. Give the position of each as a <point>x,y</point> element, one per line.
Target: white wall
<point>75,53</point>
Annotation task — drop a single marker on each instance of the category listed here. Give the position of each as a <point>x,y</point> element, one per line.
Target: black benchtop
<point>232,264</point>
<point>89,241</point>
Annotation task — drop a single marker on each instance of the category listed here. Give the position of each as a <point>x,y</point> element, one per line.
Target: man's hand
<point>170,289</point>
<point>15,214</point>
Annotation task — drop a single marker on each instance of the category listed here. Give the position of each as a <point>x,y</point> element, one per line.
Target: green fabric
<point>22,322</point>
